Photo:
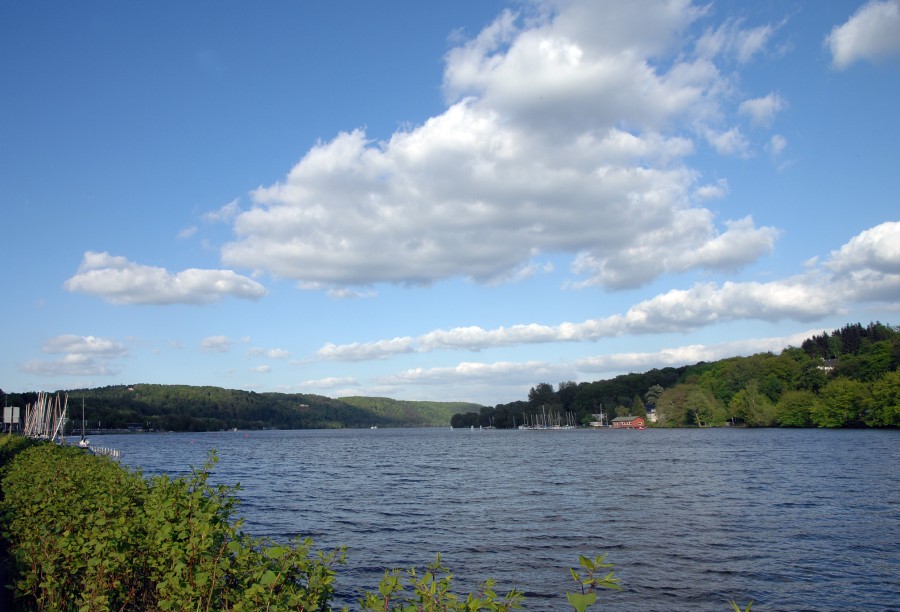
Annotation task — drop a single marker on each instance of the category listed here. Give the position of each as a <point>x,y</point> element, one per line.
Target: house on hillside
<point>629,422</point>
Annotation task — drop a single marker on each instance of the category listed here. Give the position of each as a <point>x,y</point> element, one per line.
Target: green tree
<point>688,405</point>
<point>652,395</point>
<point>752,407</point>
<point>541,395</point>
<point>794,408</point>
<point>812,377</point>
<point>841,403</point>
<point>637,407</point>
<point>885,411</point>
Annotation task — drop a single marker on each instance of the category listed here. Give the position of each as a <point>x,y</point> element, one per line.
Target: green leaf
<point>267,578</point>
<point>585,562</point>
<point>581,601</point>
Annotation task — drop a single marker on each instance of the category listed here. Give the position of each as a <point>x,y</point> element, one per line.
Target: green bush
<point>88,534</point>
<point>11,445</point>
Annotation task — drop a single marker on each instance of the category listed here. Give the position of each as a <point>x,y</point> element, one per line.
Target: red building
<point>629,422</point>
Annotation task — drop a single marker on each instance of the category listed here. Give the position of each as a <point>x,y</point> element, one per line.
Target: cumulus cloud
<point>728,142</point>
<point>333,382</point>
<point>566,132</point>
<point>865,269</point>
<point>762,111</point>
<point>712,191</point>
<point>81,356</point>
<point>86,345</point>
<point>216,344</point>
<point>671,249</point>
<point>872,33</point>
<point>473,372</point>
<point>677,310</point>
<point>261,369</point>
<point>366,351</point>
<point>119,281</point>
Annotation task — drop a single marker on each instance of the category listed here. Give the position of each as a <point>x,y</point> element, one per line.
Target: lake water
<point>791,519</point>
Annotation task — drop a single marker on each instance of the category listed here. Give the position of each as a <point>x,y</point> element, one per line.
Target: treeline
<point>190,408</point>
<point>848,378</point>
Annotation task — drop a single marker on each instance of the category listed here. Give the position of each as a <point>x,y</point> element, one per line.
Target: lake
<point>691,518</point>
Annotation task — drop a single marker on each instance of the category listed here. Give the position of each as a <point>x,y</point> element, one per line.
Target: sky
<point>449,201</point>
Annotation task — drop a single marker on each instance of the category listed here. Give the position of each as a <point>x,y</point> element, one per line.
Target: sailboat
<point>84,442</point>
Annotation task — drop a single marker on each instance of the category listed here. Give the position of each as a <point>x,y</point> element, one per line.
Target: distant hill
<point>190,408</point>
<point>418,414</point>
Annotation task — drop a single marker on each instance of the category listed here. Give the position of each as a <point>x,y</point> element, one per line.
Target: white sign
<point>10,414</point>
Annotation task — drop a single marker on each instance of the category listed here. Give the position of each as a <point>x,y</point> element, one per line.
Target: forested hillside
<point>412,414</point>
<point>848,378</point>
<point>187,408</point>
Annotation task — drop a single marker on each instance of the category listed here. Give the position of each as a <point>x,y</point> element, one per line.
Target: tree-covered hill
<point>410,414</point>
<point>848,378</point>
<point>189,408</point>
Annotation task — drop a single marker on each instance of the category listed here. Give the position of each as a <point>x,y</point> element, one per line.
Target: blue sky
<point>438,201</point>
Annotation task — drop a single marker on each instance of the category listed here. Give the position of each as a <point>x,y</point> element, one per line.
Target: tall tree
<point>637,407</point>
<point>885,410</point>
<point>542,394</point>
<point>794,408</point>
<point>652,395</point>
<point>842,402</point>
<point>752,407</point>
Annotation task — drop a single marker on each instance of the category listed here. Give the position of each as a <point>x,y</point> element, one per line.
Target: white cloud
<point>729,142</point>
<point>345,293</point>
<point>671,250</point>
<point>567,132</point>
<point>712,191</point>
<point>82,356</point>
<point>275,353</point>
<point>777,145</point>
<point>470,372</point>
<point>876,249</point>
<point>226,214</point>
<point>329,383</point>
<point>119,281</point>
<point>762,111</point>
<point>733,40</point>
<point>87,345</point>
<point>702,305</point>
<point>187,232</point>
<point>366,351</point>
<point>868,266</point>
<point>865,269</point>
<point>216,344</point>
<point>69,365</point>
<point>872,33</point>
<point>261,369</point>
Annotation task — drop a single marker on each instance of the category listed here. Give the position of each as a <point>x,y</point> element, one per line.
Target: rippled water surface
<point>791,519</point>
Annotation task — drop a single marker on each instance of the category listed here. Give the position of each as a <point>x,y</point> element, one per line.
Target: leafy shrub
<point>88,534</point>
<point>12,445</point>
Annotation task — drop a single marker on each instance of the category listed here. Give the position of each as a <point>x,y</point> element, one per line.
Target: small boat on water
<point>84,442</point>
